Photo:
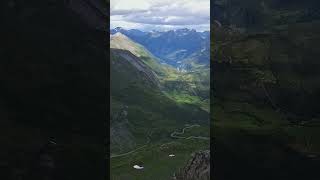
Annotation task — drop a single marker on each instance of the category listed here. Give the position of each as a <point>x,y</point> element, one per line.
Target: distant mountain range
<point>180,48</point>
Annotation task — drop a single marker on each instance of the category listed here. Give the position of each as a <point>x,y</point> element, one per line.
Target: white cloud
<point>160,14</point>
<point>130,4</point>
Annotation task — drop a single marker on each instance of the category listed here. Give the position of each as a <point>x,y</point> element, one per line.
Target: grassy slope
<point>149,112</point>
<point>155,159</point>
<point>156,113</point>
<point>182,87</point>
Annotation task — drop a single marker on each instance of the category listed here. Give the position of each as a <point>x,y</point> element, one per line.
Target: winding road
<point>173,135</point>
<point>130,152</point>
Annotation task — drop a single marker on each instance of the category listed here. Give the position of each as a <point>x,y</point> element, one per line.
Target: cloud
<point>127,11</point>
<point>143,13</point>
<point>167,20</point>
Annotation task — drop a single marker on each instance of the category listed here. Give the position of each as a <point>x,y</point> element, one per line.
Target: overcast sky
<point>160,14</point>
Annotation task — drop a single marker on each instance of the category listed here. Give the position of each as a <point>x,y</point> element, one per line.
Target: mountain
<point>121,41</point>
<point>137,77</point>
<point>189,87</point>
<point>144,115</point>
<point>175,47</point>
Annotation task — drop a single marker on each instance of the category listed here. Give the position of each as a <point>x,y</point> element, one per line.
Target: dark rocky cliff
<point>197,168</point>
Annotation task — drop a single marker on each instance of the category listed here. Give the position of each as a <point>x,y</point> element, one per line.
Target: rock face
<point>198,168</point>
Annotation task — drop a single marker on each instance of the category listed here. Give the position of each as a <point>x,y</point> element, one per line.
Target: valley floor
<point>154,156</point>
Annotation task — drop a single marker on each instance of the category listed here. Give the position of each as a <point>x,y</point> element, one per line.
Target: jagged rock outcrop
<point>197,168</point>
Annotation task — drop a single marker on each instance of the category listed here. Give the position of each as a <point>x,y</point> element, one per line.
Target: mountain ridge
<point>173,47</point>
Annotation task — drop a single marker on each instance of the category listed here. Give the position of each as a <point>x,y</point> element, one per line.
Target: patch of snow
<point>138,167</point>
<point>52,142</point>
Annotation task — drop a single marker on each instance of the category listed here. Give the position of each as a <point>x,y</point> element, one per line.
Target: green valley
<point>150,101</point>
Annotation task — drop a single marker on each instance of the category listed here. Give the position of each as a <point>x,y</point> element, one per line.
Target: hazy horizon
<point>161,30</point>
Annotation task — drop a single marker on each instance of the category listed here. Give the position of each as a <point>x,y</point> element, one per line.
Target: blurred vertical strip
<point>265,89</point>
<point>54,82</point>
